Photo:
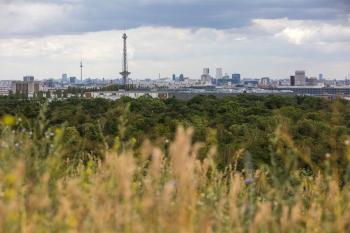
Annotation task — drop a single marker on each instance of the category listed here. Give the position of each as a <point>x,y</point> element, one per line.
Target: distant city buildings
<point>206,71</point>
<point>236,78</point>
<point>218,73</point>
<point>265,82</point>
<point>5,87</point>
<point>320,77</point>
<point>299,84</point>
<point>72,80</point>
<point>292,81</point>
<point>27,87</point>
<point>300,78</point>
<point>206,78</point>
<point>64,78</point>
<point>251,82</point>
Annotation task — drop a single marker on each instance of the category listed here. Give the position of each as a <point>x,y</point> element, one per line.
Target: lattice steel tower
<point>125,73</point>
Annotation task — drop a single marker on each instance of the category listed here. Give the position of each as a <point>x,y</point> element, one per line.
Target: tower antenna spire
<point>81,69</point>
<point>125,73</point>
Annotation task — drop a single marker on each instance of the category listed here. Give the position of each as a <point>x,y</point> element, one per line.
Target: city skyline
<point>255,39</point>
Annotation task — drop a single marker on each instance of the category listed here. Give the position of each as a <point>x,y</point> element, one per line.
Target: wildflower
<point>248,181</point>
<point>328,155</point>
<point>58,131</point>
<point>8,120</point>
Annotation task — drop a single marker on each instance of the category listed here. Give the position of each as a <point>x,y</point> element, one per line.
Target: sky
<point>257,38</point>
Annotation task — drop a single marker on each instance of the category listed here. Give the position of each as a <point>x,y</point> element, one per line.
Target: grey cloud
<point>91,15</point>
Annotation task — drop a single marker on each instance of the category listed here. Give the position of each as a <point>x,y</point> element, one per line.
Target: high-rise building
<point>236,78</point>
<point>174,77</point>
<point>292,80</point>
<point>320,77</point>
<point>300,78</point>
<point>64,78</point>
<point>218,73</point>
<point>181,78</point>
<point>206,78</point>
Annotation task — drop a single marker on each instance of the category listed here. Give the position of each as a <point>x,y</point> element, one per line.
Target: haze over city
<point>255,38</point>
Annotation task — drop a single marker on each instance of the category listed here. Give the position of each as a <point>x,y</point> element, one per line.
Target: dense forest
<point>244,124</point>
<point>243,164</point>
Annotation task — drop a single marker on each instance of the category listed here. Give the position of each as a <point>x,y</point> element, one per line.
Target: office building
<point>292,80</point>
<point>206,78</point>
<point>236,78</point>
<point>218,73</point>
<point>49,83</point>
<point>64,78</point>
<point>320,77</point>
<point>300,78</point>
<point>5,87</point>
<point>181,78</point>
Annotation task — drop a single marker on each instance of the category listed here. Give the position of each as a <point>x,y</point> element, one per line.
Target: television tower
<point>125,73</point>
<point>81,70</point>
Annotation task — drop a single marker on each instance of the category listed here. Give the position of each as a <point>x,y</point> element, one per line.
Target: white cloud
<point>25,17</point>
<point>305,31</point>
<point>296,35</point>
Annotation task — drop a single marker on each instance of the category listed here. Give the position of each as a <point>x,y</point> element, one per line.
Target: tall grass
<point>149,191</point>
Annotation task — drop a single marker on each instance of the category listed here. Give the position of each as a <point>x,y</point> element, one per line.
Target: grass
<point>41,190</point>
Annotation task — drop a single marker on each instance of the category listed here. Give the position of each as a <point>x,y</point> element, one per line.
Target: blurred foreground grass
<point>43,190</point>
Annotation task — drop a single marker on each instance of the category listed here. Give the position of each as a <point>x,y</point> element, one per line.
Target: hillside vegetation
<point>240,164</point>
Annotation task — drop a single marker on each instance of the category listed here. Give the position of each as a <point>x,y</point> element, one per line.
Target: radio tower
<point>81,70</point>
<point>125,73</point>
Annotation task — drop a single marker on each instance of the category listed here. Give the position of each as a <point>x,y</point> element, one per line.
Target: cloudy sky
<point>256,38</point>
